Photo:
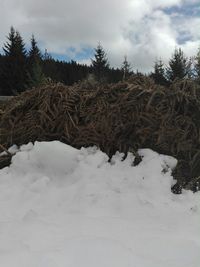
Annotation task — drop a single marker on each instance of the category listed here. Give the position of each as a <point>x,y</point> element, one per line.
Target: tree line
<point>21,69</point>
<point>179,67</point>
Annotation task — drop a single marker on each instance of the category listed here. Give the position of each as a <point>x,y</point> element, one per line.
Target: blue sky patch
<point>187,10</point>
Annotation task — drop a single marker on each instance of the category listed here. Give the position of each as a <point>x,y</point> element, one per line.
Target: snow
<point>63,207</point>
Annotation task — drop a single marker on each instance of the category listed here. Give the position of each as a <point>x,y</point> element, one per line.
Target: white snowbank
<point>60,207</point>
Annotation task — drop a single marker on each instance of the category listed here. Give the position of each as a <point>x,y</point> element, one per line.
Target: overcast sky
<point>141,29</point>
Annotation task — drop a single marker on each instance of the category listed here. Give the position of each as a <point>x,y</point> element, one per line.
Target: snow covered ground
<point>63,207</point>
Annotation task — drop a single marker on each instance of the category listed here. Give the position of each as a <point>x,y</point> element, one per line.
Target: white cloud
<point>137,28</point>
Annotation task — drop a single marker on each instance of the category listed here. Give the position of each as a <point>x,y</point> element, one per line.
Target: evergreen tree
<point>35,73</point>
<point>47,56</point>
<point>36,77</point>
<point>179,66</point>
<point>14,73</point>
<point>34,53</point>
<point>1,68</point>
<point>10,46</point>
<point>100,64</point>
<point>126,68</point>
<point>197,66</point>
<point>159,75</point>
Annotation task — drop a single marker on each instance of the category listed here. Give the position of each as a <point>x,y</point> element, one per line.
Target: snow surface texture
<point>63,207</point>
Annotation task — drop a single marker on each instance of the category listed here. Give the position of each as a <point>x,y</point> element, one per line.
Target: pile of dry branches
<point>124,117</point>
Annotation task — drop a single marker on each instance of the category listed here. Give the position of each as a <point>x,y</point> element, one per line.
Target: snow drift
<point>66,207</point>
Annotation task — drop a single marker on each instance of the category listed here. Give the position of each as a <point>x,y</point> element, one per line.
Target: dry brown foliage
<point>124,116</point>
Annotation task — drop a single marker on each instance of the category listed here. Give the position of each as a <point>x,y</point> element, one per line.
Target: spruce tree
<point>10,46</point>
<point>197,67</point>
<point>14,73</point>
<point>159,75</point>
<point>1,66</point>
<point>179,66</point>
<point>126,68</point>
<point>36,76</point>
<point>100,64</point>
<point>34,52</point>
<point>35,73</point>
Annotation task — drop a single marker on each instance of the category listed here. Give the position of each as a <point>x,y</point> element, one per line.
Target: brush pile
<point>115,117</point>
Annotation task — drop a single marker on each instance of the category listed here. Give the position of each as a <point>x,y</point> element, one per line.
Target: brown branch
<point>5,150</point>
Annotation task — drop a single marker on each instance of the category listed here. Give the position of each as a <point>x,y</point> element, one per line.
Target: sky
<point>143,30</point>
